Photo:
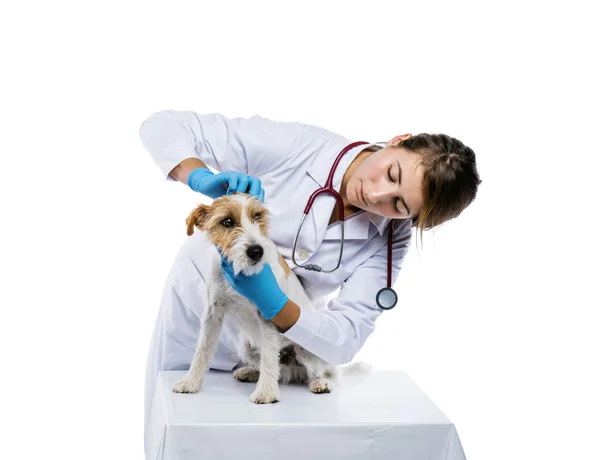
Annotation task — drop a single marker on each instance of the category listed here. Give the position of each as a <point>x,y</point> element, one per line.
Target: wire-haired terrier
<point>238,226</point>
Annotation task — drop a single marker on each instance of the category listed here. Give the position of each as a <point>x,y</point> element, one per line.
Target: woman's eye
<point>390,174</point>
<point>227,222</point>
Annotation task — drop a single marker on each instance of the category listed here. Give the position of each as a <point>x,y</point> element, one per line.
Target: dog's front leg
<point>210,329</point>
<point>320,374</point>
<point>267,388</point>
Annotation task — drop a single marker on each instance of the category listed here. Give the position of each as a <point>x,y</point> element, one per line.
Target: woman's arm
<point>180,141</point>
<point>337,333</point>
<point>182,171</point>
<point>287,316</point>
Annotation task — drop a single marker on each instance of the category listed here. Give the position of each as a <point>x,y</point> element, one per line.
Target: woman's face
<point>388,183</point>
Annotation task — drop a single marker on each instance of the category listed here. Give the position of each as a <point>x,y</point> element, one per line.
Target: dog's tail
<point>356,368</point>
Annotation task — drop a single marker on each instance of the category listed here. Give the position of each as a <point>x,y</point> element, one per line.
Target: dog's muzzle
<point>255,252</point>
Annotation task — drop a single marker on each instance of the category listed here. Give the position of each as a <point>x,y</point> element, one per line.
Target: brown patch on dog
<point>224,211</point>
<point>285,266</point>
<point>212,220</point>
<point>197,218</point>
<point>256,212</point>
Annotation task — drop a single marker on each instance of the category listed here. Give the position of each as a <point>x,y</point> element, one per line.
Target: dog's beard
<point>239,260</point>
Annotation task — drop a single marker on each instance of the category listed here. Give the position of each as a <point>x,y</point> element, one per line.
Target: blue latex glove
<point>260,289</point>
<point>204,181</point>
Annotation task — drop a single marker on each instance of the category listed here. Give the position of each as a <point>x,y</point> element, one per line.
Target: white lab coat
<point>292,160</point>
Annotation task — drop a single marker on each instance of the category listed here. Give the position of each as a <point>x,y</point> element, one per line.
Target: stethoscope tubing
<point>328,189</point>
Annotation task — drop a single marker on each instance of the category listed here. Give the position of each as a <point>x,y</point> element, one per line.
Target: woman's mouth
<point>362,195</point>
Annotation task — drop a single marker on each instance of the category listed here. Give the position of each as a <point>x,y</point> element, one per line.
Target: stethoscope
<point>386,298</point>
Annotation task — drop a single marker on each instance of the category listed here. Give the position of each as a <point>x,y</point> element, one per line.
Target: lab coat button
<point>234,357</point>
<point>303,254</point>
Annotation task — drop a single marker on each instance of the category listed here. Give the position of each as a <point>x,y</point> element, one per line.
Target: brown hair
<point>450,177</point>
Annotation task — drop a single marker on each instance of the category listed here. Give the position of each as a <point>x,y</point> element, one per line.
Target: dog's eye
<point>227,222</point>
<point>257,216</point>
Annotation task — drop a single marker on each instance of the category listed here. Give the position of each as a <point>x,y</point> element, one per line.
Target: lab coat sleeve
<point>337,333</point>
<point>251,146</point>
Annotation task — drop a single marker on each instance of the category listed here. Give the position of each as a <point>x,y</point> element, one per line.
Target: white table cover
<point>381,415</point>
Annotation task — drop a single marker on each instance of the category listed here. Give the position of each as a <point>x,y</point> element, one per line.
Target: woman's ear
<point>197,218</point>
<point>396,140</point>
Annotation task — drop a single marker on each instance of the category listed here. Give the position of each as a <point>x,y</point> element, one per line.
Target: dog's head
<point>238,225</point>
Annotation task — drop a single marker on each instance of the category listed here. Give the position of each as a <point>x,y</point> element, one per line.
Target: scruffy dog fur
<point>238,225</point>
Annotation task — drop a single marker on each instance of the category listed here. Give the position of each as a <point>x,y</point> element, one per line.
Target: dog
<point>237,225</point>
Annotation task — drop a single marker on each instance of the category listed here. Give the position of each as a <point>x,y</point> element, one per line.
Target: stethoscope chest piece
<point>386,298</point>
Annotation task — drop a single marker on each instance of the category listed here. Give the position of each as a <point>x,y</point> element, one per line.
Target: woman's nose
<point>381,193</point>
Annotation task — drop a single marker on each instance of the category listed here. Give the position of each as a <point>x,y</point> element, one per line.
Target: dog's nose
<point>255,252</point>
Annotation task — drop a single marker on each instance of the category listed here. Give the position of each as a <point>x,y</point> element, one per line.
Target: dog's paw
<point>186,385</point>
<point>321,385</point>
<point>246,374</point>
<point>264,397</point>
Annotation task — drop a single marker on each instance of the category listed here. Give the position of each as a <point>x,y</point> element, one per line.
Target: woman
<point>414,181</point>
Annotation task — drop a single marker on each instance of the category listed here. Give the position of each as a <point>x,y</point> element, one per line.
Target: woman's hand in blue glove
<point>261,289</point>
<point>213,185</point>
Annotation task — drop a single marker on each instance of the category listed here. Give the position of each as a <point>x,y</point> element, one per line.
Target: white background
<point>497,320</point>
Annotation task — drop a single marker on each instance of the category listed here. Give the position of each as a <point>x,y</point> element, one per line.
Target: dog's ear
<point>197,218</point>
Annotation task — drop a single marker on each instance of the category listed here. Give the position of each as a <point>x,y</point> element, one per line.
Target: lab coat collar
<point>356,227</point>
<point>380,222</point>
<point>384,222</point>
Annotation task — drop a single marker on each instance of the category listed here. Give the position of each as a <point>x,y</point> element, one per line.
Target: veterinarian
<point>415,181</point>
